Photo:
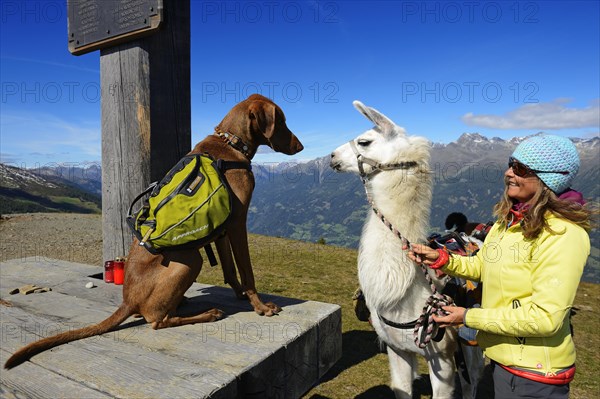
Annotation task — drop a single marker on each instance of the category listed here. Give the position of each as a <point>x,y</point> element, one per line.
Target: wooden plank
<point>70,278</point>
<point>229,342</point>
<point>243,354</point>
<point>145,117</point>
<point>48,384</point>
<point>241,333</point>
<point>70,300</point>
<point>110,365</point>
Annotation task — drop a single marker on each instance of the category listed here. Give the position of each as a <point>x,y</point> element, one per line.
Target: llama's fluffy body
<point>393,285</point>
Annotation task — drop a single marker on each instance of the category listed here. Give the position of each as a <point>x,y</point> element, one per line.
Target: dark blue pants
<point>510,386</point>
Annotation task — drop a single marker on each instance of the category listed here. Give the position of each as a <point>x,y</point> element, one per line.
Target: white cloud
<point>542,116</point>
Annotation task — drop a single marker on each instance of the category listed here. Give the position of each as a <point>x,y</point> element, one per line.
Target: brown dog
<point>155,284</point>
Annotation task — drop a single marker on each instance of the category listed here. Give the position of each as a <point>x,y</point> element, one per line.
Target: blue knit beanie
<point>550,153</point>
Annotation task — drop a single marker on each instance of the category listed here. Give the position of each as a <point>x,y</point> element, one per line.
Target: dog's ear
<point>386,125</point>
<point>263,115</point>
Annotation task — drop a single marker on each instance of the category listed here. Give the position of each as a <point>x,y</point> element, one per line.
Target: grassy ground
<point>76,202</point>
<point>300,270</point>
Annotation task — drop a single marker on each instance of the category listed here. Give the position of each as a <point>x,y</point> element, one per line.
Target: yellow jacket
<point>528,290</point>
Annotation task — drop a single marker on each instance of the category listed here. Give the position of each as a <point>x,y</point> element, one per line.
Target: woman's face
<point>519,188</point>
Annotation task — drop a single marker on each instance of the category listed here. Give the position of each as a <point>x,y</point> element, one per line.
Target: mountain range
<point>308,201</point>
<point>49,190</point>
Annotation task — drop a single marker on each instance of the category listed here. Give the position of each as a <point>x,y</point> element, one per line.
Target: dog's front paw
<point>268,309</point>
<point>274,307</point>
<point>263,309</point>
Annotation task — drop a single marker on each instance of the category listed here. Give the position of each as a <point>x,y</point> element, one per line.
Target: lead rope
<point>426,328</point>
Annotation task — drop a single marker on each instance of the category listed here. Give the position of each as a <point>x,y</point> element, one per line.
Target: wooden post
<point>146,117</point>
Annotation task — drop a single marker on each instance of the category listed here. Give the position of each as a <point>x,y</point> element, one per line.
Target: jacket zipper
<point>515,305</point>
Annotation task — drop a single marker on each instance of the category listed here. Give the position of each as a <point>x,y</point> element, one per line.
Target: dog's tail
<point>25,353</point>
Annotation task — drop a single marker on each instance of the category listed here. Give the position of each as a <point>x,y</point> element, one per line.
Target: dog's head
<point>258,120</point>
<point>385,143</point>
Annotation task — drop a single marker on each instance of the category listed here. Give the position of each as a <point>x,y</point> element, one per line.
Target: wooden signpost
<point>145,105</point>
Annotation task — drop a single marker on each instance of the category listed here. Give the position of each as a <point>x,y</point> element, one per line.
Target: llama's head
<point>385,145</point>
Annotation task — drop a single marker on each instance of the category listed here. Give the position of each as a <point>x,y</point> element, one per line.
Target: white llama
<point>395,170</point>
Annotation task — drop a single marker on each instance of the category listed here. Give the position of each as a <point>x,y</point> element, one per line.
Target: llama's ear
<point>383,122</point>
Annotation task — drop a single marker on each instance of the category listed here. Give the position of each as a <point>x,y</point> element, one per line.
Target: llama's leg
<point>441,373</point>
<point>402,366</point>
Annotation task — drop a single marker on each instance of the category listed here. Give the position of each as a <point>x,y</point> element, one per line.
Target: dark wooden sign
<point>96,24</point>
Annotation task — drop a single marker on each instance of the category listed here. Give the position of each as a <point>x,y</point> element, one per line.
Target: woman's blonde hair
<point>544,200</point>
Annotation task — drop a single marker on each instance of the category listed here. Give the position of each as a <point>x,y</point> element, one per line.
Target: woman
<point>530,264</point>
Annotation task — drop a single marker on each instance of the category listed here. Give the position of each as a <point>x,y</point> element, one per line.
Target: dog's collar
<point>235,142</point>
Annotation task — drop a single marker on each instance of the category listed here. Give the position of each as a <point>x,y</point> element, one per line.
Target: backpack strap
<point>210,254</point>
<point>226,165</point>
<point>146,191</point>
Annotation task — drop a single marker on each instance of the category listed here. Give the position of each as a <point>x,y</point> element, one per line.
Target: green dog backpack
<point>188,208</point>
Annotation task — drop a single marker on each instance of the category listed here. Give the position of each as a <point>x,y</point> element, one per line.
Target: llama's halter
<point>424,328</point>
<point>376,166</point>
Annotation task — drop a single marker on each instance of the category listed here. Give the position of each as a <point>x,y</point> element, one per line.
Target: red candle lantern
<point>109,276</point>
<point>119,271</point>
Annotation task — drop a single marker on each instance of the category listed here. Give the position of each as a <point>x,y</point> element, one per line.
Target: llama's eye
<point>364,143</point>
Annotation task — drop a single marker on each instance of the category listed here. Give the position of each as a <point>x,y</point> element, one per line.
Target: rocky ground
<point>72,237</point>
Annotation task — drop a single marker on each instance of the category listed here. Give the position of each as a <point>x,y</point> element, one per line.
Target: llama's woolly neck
<point>405,201</point>
<point>384,266</point>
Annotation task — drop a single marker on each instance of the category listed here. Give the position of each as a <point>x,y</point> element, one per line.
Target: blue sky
<point>437,68</point>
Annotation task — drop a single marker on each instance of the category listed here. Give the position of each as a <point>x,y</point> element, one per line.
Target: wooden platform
<point>243,355</point>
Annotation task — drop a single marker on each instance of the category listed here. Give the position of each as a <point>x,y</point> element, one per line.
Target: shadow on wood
<point>224,298</point>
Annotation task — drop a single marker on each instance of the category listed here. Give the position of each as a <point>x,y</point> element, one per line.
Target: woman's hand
<point>455,316</point>
<point>422,254</point>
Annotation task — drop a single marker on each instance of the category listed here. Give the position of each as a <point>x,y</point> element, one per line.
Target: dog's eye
<point>364,142</point>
